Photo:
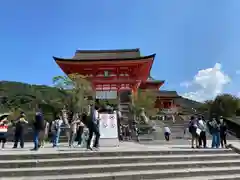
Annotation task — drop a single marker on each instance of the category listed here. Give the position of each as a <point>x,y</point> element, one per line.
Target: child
<point>84,137</point>
<point>167,133</point>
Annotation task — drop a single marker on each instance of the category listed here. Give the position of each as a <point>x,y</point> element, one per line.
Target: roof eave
<point>115,59</point>
<point>155,81</point>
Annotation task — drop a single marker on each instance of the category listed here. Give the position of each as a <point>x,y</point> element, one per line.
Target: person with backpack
<point>38,127</point>
<point>19,130</point>
<point>192,127</point>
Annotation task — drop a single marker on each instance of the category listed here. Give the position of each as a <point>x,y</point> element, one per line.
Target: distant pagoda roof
<point>106,55</point>
<point>170,94</point>
<point>152,80</point>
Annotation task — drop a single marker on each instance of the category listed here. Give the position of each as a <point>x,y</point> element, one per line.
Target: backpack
<point>191,126</point>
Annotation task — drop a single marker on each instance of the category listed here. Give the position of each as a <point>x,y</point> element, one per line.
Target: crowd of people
<point>199,128</point>
<point>78,127</point>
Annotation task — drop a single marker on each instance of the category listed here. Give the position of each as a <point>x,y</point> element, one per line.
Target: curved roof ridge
<point>108,50</point>
<point>102,59</point>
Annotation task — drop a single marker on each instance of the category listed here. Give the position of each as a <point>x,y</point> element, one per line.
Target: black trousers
<point>202,139</point>
<point>167,136</point>
<point>223,138</point>
<point>93,128</point>
<point>3,139</point>
<point>18,137</point>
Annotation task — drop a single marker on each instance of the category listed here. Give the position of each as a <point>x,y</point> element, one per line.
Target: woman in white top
<point>202,137</point>
<point>73,129</point>
<point>56,130</point>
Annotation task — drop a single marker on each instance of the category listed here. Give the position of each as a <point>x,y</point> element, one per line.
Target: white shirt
<point>167,130</point>
<point>201,125</point>
<point>57,123</point>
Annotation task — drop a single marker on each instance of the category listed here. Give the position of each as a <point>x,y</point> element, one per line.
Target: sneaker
<point>95,148</point>
<point>89,148</point>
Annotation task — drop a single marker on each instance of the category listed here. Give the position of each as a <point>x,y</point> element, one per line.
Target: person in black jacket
<point>19,130</point>
<point>38,127</point>
<point>223,133</point>
<point>91,123</point>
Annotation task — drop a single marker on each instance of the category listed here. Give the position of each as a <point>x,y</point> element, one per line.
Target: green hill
<point>17,96</point>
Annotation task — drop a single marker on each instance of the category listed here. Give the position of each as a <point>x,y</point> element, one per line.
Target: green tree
<point>76,89</point>
<point>145,99</point>
<point>225,105</point>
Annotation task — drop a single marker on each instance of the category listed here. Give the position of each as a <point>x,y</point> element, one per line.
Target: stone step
<point>77,152</point>
<point>216,177</point>
<point>138,175</point>
<point>114,160</point>
<point>129,161</point>
<point>112,168</point>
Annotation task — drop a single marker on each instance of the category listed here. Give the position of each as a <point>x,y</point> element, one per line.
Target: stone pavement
<point>130,161</point>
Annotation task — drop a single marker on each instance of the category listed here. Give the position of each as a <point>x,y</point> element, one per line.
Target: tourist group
<point>199,128</point>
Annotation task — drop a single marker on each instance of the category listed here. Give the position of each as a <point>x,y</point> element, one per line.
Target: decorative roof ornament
<point>150,78</point>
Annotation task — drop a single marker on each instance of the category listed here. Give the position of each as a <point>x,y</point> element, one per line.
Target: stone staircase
<point>125,111</point>
<point>138,163</point>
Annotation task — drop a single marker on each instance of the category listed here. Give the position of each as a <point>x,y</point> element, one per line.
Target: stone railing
<point>233,125</point>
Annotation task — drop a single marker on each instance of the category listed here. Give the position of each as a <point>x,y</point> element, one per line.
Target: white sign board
<point>106,94</point>
<point>108,128</point>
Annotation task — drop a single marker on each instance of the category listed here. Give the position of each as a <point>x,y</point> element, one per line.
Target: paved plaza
<point>123,146</point>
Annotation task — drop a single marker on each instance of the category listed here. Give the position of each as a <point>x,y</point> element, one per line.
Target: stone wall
<point>233,127</point>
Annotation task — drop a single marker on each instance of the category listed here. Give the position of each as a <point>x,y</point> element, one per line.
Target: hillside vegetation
<point>17,96</point>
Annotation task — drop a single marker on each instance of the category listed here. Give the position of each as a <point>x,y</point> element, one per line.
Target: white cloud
<point>208,83</point>
<point>238,95</point>
<point>186,84</point>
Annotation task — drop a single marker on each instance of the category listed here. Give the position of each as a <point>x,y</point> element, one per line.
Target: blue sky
<point>186,35</point>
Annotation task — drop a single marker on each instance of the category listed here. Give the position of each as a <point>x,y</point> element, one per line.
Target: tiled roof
<point>164,93</point>
<point>107,54</point>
